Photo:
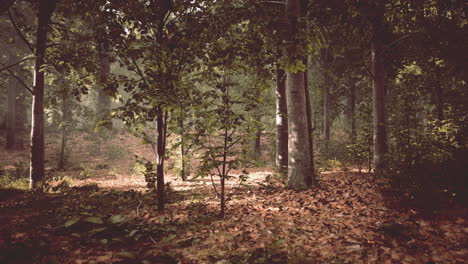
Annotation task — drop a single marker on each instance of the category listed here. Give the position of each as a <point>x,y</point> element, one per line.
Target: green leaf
<point>161,219</point>
<point>72,221</point>
<point>116,219</point>
<point>94,220</point>
<point>127,254</point>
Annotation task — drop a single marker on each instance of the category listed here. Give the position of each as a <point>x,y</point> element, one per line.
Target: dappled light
<point>233,131</point>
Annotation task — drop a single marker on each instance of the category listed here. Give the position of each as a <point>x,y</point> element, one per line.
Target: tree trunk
<point>258,143</point>
<point>309,123</point>
<point>65,119</point>
<point>281,121</point>
<point>11,115</point>
<point>326,112</point>
<point>103,100</point>
<point>182,148</point>
<point>379,108</point>
<point>350,112</point>
<point>161,128</point>
<point>299,167</point>
<point>46,8</point>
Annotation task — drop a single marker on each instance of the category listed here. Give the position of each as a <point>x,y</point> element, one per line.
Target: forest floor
<point>100,212</point>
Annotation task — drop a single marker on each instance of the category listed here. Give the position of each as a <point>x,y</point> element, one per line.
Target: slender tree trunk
<point>309,123</point>
<point>11,115</point>
<point>65,119</point>
<point>281,121</point>
<point>182,149</point>
<point>161,128</point>
<point>350,113</point>
<point>258,143</point>
<point>326,112</point>
<point>103,100</point>
<point>379,107</point>
<point>46,8</point>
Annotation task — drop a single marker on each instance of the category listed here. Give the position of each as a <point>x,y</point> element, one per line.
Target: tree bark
<point>379,107</point>
<point>65,119</point>
<point>11,115</point>
<point>161,128</point>
<point>103,100</point>
<point>310,129</point>
<point>326,112</point>
<point>46,8</point>
<point>299,167</point>
<point>281,121</point>
<point>350,113</point>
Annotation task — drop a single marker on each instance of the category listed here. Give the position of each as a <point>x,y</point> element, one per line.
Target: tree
<point>379,92</point>
<point>300,174</point>
<point>281,121</point>
<point>46,7</point>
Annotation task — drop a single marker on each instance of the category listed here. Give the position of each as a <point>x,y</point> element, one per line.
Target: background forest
<point>233,131</point>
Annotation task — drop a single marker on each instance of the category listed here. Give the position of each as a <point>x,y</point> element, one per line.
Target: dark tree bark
<point>11,115</point>
<point>326,61</point>
<point>161,128</point>
<point>103,105</point>
<point>258,143</point>
<point>46,8</point>
<point>326,113</point>
<point>281,121</point>
<point>379,106</point>
<point>66,114</point>
<point>309,121</point>
<point>350,113</point>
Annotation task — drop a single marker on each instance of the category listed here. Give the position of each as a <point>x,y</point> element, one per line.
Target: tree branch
<point>20,33</point>
<point>18,78</point>
<point>14,64</point>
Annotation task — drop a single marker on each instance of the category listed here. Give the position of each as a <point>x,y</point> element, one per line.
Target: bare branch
<point>14,64</point>
<point>18,78</point>
<point>15,26</point>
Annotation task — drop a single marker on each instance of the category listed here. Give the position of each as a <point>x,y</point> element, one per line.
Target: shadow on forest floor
<point>346,219</point>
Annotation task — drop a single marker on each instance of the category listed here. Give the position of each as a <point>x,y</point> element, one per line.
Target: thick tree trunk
<point>103,100</point>
<point>299,167</point>
<point>309,123</point>
<point>379,107</point>
<point>300,174</point>
<point>46,8</point>
<point>281,121</point>
<point>11,115</point>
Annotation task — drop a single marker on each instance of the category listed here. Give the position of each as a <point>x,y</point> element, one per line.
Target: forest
<point>233,131</point>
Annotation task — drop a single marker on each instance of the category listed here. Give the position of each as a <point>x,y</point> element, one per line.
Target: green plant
<point>114,152</point>
<point>87,172</point>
